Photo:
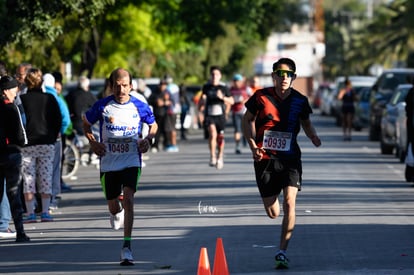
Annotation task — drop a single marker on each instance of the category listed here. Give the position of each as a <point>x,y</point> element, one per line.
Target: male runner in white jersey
<point>120,117</point>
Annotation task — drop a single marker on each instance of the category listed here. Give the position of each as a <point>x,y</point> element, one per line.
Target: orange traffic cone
<point>220,262</point>
<point>203,263</point>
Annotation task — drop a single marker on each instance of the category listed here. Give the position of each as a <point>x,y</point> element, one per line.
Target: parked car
<point>382,92</point>
<point>401,129</point>
<point>361,117</point>
<point>325,101</point>
<point>358,82</point>
<point>317,99</point>
<point>96,86</point>
<point>393,109</point>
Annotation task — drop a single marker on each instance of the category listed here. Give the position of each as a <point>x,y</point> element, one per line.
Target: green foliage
<point>46,33</point>
<point>150,37</point>
<point>339,19</point>
<point>386,40</point>
<point>37,18</point>
<point>391,34</point>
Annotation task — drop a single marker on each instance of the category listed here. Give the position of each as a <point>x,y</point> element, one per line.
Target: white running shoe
<point>213,161</point>
<point>117,220</point>
<point>126,256</point>
<point>220,164</point>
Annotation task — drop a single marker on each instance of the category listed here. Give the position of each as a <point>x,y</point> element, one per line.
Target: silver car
<point>393,121</point>
<point>401,129</point>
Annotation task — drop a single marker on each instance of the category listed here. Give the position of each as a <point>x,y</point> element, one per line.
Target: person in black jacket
<point>42,127</point>
<point>79,101</point>
<point>12,138</point>
<point>156,100</point>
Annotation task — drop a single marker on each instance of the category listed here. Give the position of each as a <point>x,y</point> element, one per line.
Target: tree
<point>150,37</point>
<point>37,25</point>
<point>342,20</point>
<point>387,40</point>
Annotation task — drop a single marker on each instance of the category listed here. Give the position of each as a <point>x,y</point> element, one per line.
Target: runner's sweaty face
<point>282,83</point>
<point>121,89</point>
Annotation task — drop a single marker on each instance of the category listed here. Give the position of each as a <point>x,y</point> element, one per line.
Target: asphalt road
<point>354,216</point>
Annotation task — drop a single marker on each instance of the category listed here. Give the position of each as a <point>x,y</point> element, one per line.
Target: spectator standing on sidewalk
<point>42,127</point>
<point>120,149</point>
<point>64,187</point>
<point>173,106</point>
<point>5,214</point>
<point>214,101</point>
<point>49,86</point>
<point>12,138</point>
<point>185,109</point>
<point>21,72</point>
<point>80,100</point>
<point>270,125</point>
<point>156,100</point>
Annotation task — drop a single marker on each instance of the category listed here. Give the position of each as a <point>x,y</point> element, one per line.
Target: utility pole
<point>319,20</point>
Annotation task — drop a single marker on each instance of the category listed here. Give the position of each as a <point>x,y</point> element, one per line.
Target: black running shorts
<point>218,121</point>
<point>114,181</point>
<point>272,175</point>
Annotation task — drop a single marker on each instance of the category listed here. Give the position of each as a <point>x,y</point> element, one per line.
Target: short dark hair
<point>58,77</point>
<point>214,67</point>
<point>286,61</point>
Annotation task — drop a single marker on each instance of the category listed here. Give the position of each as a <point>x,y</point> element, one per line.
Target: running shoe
<point>126,257</point>
<point>117,220</point>
<point>220,164</point>
<point>45,217</point>
<point>31,218</point>
<point>282,262</point>
<point>213,162</point>
<point>172,149</point>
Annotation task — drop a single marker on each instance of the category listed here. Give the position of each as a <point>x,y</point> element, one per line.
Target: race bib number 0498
<point>118,147</point>
<point>278,141</point>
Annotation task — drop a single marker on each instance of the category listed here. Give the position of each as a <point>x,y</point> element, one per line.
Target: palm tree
<point>388,40</point>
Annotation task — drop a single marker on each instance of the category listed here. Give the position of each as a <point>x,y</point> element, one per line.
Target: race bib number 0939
<point>278,141</point>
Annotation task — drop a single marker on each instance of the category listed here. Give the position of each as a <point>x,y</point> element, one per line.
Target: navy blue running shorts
<point>114,181</point>
<point>272,175</point>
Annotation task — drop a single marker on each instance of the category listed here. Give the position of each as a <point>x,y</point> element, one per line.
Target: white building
<point>307,50</point>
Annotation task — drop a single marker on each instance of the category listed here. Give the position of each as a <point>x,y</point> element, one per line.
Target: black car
<point>382,92</point>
